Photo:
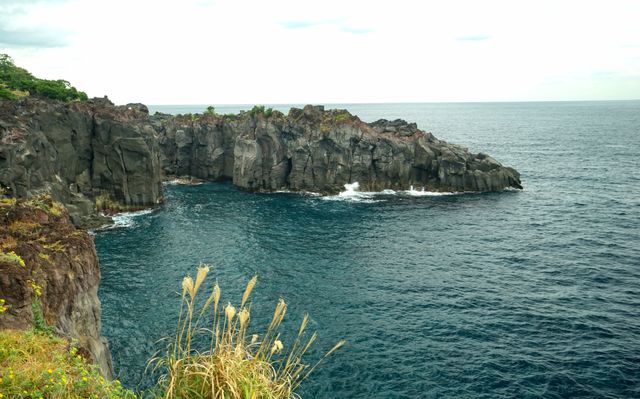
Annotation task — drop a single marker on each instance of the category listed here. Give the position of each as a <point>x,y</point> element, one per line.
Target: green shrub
<point>3,307</point>
<point>341,115</point>
<point>6,94</point>
<point>261,109</point>
<point>257,109</point>
<point>14,78</point>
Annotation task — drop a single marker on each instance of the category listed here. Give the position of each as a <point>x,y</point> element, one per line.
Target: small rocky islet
<point>94,157</point>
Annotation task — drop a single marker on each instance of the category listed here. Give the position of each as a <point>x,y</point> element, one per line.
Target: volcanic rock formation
<point>79,151</point>
<point>83,151</point>
<point>316,150</point>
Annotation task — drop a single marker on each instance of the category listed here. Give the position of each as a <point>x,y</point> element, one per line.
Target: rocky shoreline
<point>93,154</point>
<point>97,158</point>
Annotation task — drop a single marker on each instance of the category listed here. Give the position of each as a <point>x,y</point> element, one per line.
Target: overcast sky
<point>326,51</point>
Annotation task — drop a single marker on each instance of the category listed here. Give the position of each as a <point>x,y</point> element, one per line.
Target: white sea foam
<point>352,194</point>
<point>181,182</point>
<point>350,190</point>
<point>125,219</point>
<point>422,193</point>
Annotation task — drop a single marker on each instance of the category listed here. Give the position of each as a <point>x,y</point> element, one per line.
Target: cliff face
<point>85,150</point>
<point>79,151</point>
<point>316,150</point>
<point>201,148</point>
<point>46,261</point>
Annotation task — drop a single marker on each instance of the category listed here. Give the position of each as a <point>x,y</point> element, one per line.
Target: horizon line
<point>392,102</point>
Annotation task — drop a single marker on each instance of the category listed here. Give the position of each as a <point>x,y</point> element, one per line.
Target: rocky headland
<point>313,149</point>
<point>93,155</point>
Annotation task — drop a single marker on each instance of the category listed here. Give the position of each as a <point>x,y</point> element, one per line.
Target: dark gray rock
<point>78,151</point>
<point>202,148</point>
<point>89,149</point>
<point>313,149</point>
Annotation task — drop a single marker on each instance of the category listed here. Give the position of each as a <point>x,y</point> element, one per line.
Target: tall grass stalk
<point>235,365</point>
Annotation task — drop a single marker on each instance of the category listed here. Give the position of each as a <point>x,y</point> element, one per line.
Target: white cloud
<point>225,51</point>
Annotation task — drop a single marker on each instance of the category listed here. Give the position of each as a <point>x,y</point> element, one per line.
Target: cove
<point>509,294</point>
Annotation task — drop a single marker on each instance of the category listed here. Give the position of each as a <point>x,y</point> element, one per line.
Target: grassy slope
<point>38,365</point>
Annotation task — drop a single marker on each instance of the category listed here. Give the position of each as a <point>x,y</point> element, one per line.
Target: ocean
<point>528,294</point>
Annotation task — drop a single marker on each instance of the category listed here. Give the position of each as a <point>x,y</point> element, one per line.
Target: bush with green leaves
<point>261,109</point>
<point>16,82</point>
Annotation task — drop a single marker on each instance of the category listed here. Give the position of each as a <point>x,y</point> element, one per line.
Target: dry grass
<point>57,246</point>
<point>45,202</point>
<point>235,366</point>
<point>23,227</point>
<point>8,242</point>
<point>105,202</point>
<point>56,208</point>
<point>7,201</point>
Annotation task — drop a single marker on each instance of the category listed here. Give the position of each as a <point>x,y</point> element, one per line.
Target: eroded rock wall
<point>46,260</point>
<point>317,150</point>
<point>78,151</point>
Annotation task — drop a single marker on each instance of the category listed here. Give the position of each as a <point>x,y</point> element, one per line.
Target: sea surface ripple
<point>532,294</point>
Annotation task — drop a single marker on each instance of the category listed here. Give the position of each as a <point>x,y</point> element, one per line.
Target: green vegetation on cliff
<point>38,365</point>
<point>261,109</point>
<point>38,244</point>
<point>18,82</point>
<point>236,365</point>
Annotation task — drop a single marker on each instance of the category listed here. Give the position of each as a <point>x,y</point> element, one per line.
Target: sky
<point>327,51</point>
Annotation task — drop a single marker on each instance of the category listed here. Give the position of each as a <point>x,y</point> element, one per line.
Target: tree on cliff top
<point>17,82</point>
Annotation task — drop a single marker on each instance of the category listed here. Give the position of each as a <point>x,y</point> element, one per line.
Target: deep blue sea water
<point>514,294</point>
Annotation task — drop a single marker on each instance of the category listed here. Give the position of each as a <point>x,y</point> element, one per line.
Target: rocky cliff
<point>317,150</point>
<point>79,151</point>
<point>49,273</point>
<point>83,151</point>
